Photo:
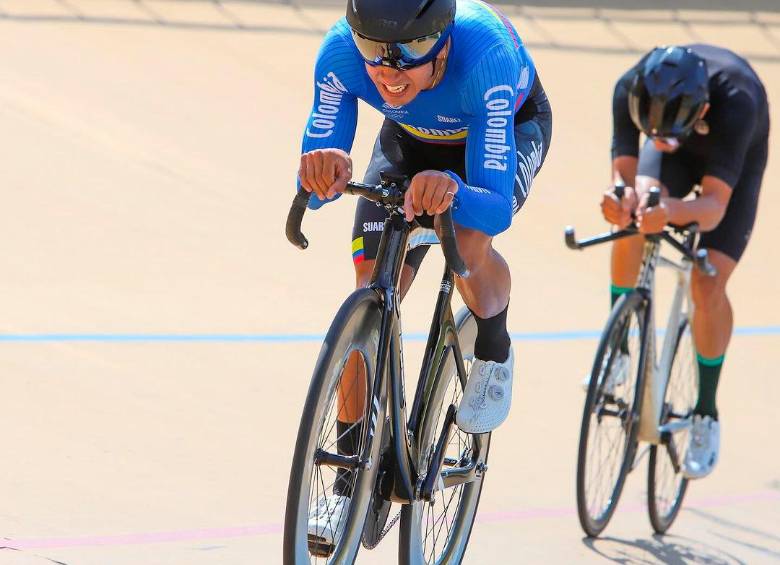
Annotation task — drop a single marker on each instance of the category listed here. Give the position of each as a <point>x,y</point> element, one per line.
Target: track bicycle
<point>651,397</point>
<point>424,462</point>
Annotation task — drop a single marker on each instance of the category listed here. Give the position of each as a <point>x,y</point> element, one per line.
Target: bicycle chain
<point>386,530</point>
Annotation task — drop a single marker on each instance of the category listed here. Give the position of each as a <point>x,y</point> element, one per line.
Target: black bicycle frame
<point>407,485</point>
<point>408,482</point>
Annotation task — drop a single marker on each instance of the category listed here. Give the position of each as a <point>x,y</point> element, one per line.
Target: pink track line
<point>562,512</point>
<point>266,529</point>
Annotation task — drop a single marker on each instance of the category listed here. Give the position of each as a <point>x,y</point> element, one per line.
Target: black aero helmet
<point>398,21</point>
<point>400,33</point>
<point>668,92</point>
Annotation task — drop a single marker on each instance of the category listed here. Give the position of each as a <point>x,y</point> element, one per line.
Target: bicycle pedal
<point>319,547</point>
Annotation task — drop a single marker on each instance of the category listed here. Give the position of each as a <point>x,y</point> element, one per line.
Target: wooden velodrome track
<point>158,332</point>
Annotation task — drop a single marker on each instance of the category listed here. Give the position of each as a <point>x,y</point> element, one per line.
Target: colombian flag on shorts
<point>358,252</point>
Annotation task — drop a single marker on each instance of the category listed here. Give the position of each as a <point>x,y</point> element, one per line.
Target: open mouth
<point>395,90</point>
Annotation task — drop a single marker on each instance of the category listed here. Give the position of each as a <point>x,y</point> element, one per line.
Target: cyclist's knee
<point>709,293</point>
<point>474,247</point>
<point>628,248</point>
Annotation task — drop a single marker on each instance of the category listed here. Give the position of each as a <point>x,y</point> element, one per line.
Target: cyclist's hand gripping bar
<point>700,257</point>
<point>386,196</point>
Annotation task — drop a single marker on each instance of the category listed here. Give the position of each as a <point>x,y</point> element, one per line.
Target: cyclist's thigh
<point>732,234</point>
<point>679,172</point>
<point>532,139</point>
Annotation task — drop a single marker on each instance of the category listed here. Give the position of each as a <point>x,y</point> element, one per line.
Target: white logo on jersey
<point>393,111</point>
<point>447,120</point>
<point>324,116</point>
<point>527,166</point>
<point>499,114</point>
<point>525,76</point>
<point>373,226</point>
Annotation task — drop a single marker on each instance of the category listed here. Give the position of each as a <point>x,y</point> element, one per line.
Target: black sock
<point>709,374</point>
<point>348,437</point>
<point>493,340</point>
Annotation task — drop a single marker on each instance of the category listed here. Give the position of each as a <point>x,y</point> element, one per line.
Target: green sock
<point>709,373</point>
<point>616,292</point>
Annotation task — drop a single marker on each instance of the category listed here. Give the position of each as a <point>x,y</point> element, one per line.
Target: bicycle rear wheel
<point>666,484</point>
<point>610,418</point>
<point>438,531</point>
<point>354,337</point>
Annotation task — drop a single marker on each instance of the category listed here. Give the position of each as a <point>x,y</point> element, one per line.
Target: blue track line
<point>299,338</point>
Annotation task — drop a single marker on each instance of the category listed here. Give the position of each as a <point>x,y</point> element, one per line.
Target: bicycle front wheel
<point>438,532</point>
<point>318,466</point>
<point>610,418</point>
<point>666,484</point>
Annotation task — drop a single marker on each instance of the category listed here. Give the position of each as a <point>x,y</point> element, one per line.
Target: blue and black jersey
<point>488,78</point>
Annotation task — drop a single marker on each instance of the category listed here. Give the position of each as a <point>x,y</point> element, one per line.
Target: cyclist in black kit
<point>704,113</point>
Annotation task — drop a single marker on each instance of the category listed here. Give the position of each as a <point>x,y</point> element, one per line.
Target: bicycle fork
<point>657,370</point>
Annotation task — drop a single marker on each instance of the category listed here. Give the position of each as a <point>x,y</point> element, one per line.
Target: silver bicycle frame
<point>657,369</point>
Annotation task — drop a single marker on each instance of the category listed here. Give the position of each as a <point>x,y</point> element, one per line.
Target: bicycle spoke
<point>440,516</point>
<point>666,486</point>
<point>346,432</point>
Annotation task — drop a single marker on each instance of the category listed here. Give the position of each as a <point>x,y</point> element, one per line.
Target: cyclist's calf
<point>712,315</point>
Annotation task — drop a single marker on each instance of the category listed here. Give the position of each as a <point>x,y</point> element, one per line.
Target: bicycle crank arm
<point>433,476</point>
<point>673,455</point>
<point>675,427</point>
<point>349,462</point>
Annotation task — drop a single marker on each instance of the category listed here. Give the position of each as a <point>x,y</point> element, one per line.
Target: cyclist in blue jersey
<point>467,119</point>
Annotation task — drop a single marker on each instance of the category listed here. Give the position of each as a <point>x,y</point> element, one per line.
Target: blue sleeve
<point>333,117</point>
<point>497,86</point>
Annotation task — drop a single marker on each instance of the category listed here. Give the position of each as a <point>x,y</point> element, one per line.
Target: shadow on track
<point>668,549</point>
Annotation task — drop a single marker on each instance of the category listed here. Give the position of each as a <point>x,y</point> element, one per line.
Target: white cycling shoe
<point>488,396</point>
<point>327,520</point>
<point>618,374</point>
<point>703,447</point>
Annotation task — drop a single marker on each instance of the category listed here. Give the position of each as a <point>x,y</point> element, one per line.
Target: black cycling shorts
<point>681,172</point>
<point>396,151</point>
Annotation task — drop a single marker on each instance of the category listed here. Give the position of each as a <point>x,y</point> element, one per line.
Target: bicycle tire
<point>629,310</point>
<point>679,400</point>
<point>411,548</point>
<point>356,327</point>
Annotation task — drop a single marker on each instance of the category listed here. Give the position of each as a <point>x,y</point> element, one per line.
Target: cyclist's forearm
<point>707,211</point>
<point>478,208</point>
<point>624,169</point>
